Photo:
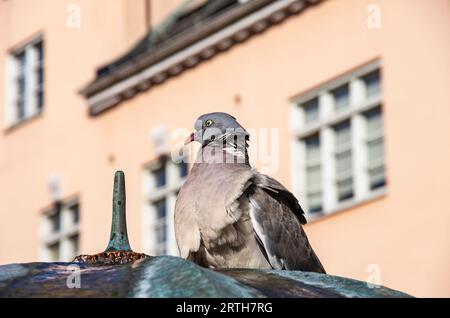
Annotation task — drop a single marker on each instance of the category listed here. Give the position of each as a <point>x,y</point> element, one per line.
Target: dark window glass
<point>161,209</point>
<point>75,211</point>
<point>160,229</point>
<point>343,155</point>
<point>74,242</point>
<point>21,86</point>
<point>372,83</point>
<point>311,110</point>
<point>40,100</point>
<point>313,174</point>
<point>53,250</point>
<point>161,233</point>
<point>341,98</point>
<point>40,75</point>
<point>39,50</point>
<point>315,209</point>
<point>55,221</point>
<point>160,176</point>
<point>184,169</point>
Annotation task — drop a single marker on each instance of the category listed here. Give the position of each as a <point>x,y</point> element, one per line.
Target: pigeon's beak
<point>189,139</point>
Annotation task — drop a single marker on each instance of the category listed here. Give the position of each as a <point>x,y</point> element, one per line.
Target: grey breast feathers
<point>207,203</point>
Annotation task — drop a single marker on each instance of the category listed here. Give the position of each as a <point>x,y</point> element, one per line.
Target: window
<point>339,142</point>
<point>61,232</point>
<point>25,82</point>
<point>162,181</point>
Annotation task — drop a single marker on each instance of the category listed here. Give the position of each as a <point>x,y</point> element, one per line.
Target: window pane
<point>345,189</point>
<point>40,100</point>
<point>313,173</point>
<point>376,178</point>
<point>161,233</point>
<point>312,149</point>
<point>20,82</point>
<point>341,98</point>
<point>160,226</point>
<point>343,155</point>
<point>21,98</point>
<point>372,83</point>
<point>53,251</point>
<point>342,134</point>
<point>55,221</point>
<point>161,249</point>
<point>315,202</point>
<point>161,209</point>
<point>375,151</point>
<point>21,63</point>
<point>373,118</point>
<point>75,213</point>
<point>39,47</point>
<point>375,148</point>
<point>40,75</point>
<point>183,166</point>
<point>313,169</point>
<point>160,176</point>
<point>311,110</point>
<point>74,244</point>
<point>313,177</point>
<point>344,162</point>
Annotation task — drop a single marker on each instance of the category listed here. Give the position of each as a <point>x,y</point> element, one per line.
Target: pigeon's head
<point>215,127</point>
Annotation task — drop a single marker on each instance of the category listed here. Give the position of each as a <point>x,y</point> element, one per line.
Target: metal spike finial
<point>118,250</point>
<point>118,240</point>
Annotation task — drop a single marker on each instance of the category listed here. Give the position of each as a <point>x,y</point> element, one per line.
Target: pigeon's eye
<point>208,123</point>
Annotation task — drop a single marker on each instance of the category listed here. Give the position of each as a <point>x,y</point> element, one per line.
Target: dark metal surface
<point>167,276</point>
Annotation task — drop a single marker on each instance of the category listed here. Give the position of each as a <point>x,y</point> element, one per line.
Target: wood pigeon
<point>228,215</point>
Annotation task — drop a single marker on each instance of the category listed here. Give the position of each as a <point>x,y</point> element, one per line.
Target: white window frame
<point>31,89</point>
<point>359,104</point>
<point>151,196</point>
<point>67,230</point>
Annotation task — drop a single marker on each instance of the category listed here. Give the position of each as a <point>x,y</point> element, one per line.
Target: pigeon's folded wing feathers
<point>282,194</point>
<point>277,217</point>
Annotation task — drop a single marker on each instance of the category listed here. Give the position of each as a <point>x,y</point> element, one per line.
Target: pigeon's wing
<point>277,217</point>
<point>274,188</point>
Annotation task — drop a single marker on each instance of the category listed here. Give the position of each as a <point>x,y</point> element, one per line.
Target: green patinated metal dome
<point>168,276</point>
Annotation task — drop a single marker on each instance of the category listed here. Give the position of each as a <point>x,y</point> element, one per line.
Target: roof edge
<point>187,50</point>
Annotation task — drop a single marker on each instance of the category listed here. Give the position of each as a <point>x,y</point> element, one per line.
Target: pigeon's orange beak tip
<point>189,139</point>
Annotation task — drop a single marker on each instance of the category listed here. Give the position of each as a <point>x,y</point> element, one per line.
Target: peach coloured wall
<point>405,232</point>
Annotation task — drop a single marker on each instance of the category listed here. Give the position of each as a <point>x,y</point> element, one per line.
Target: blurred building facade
<point>354,96</point>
